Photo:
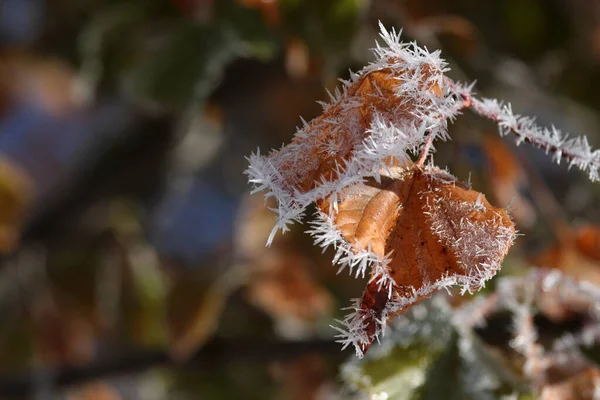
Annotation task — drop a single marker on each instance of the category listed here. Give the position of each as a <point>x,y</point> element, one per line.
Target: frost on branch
<point>575,150</point>
<point>554,365</point>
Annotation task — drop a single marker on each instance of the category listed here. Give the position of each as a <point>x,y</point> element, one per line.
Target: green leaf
<point>186,65</point>
<point>397,375</point>
<point>443,379</point>
<point>107,40</point>
<point>327,26</point>
<point>398,368</point>
<point>159,57</point>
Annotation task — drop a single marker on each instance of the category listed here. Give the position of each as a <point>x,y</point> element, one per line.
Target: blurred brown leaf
<point>576,254</point>
<point>279,279</point>
<point>202,10</point>
<point>302,378</point>
<point>461,34</point>
<point>281,284</point>
<point>253,226</point>
<point>588,241</point>
<point>582,386</point>
<point>94,391</point>
<point>297,58</point>
<point>61,336</point>
<point>268,8</point>
<point>507,179</point>
<point>16,195</point>
<point>42,80</point>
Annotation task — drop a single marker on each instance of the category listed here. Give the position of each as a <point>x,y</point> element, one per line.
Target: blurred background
<point>132,258</point>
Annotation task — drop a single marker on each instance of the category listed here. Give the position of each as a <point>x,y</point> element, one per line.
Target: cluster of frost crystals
<point>519,298</point>
<point>480,246</point>
<point>523,295</point>
<point>427,322</point>
<point>347,256</point>
<point>391,133</point>
<point>575,150</point>
<point>477,378</point>
<point>352,329</point>
<point>567,289</point>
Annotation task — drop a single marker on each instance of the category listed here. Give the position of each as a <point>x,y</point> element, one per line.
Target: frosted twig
<point>425,150</point>
<point>519,297</point>
<point>575,150</point>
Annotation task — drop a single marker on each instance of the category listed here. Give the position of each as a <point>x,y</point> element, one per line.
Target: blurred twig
<point>215,352</point>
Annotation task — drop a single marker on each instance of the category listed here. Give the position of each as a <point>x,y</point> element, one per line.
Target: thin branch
<point>215,352</point>
<point>576,151</point>
<point>426,149</point>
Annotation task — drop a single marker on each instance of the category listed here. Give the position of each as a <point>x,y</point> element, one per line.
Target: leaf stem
<point>425,150</point>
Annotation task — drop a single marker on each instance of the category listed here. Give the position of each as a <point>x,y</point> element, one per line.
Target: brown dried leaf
<point>582,386</point>
<point>46,81</point>
<point>302,378</point>
<point>94,391</point>
<point>281,284</point>
<point>576,254</point>
<point>60,335</point>
<point>435,229</point>
<point>329,140</point>
<point>507,177</point>
<point>16,194</point>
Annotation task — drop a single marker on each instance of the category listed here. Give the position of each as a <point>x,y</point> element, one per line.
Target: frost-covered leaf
<point>420,230</point>
<point>383,111</point>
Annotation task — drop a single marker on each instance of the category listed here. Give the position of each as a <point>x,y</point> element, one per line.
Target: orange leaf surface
<point>329,140</point>
<point>432,231</point>
<point>578,387</point>
<point>588,241</point>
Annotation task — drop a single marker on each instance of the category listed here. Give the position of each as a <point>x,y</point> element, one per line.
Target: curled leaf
<point>424,231</point>
<point>383,111</point>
